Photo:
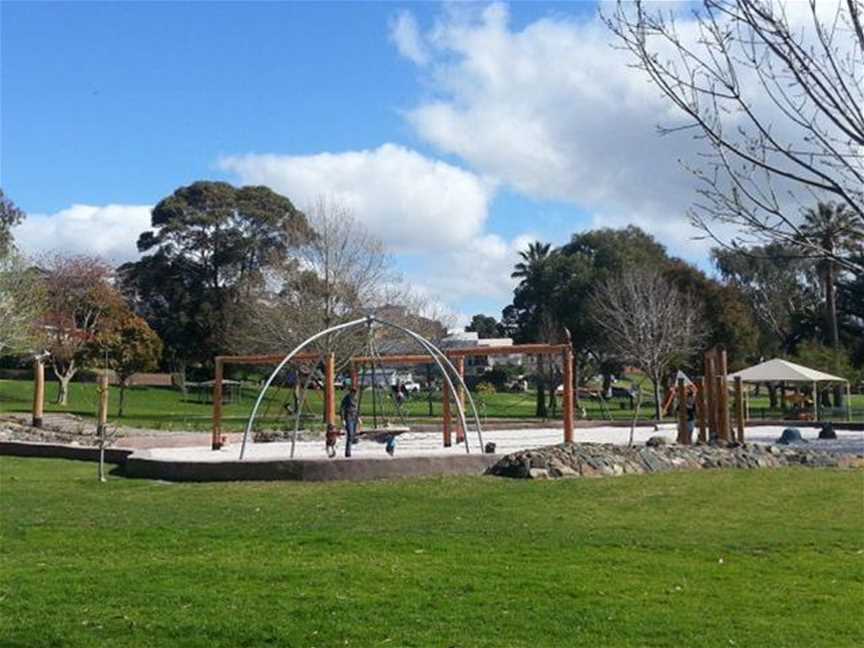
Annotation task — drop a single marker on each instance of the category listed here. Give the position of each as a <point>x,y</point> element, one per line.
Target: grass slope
<point>711,558</point>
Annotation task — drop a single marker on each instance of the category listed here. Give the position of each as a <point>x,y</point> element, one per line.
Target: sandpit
<point>417,453</point>
<point>425,444</point>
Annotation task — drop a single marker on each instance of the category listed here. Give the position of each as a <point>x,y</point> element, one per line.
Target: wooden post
<point>739,408</point>
<point>815,402</point>
<point>783,397</point>
<point>445,413</point>
<point>723,423</point>
<point>723,383</point>
<point>355,375</point>
<point>102,418</point>
<point>567,401</point>
<point>216,437</point>
<point>330,389</point>
<point>102,421</point>
<point>711,394</point>
<point>460,394</point>
<point>683,432</point>
<point>38,391</point>
<point>700,410</point>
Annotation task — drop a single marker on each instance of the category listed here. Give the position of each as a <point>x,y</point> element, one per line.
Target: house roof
<point>776,370</point>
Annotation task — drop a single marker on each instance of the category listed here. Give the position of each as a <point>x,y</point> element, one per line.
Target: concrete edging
<point>141,466</point>
<point>61,451</point>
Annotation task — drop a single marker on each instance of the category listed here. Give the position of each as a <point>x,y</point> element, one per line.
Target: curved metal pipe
<point>433,350</point>
<point>279,367</point>
<point>437,355</point>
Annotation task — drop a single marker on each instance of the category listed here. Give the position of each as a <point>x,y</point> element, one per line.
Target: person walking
<point>691,416</point>
<point>349,412</point>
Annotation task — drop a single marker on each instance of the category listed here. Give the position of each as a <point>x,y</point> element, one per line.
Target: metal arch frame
<point>437,355</point>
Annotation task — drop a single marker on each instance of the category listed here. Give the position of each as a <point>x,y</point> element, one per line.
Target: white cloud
<point>478,271</point>
<point>108,231</point>
<point>407,38</point>
<point>409,201</point>
<point>555,112</point>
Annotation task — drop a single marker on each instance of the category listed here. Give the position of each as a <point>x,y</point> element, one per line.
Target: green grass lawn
<point>168,409</point>
<point>715,558</point>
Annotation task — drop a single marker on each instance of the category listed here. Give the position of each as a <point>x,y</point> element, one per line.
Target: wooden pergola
<point>456,356</point>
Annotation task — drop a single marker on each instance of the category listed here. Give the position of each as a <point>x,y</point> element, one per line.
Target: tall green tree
<point>835,229</point>
<point>781,288</point>
<point>10,216</point>
<point>209,246</point>
<point>533,313</point>
<point>22,306</point>
<point>485,326</point>
<point>127,345</point>
<point>727,320</point>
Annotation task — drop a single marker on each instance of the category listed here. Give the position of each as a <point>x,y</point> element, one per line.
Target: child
<point>330,439</point>
<point>391,444</point>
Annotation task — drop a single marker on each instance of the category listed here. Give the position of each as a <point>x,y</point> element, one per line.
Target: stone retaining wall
<point>569,460</point>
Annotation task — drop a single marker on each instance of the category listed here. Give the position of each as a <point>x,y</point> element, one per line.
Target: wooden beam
<point>330,389</point>
<point>38,391</point>
<point>739,408</point>
<point>267,359</point>
<point>710,394</point>
<point>515,349</point>
<point>102,412</point>
<point>394,360</point>
<point>445,414</point>
<point>460,394</point>
<point>683,432</point>
<point>722,370</point>
<point>216,436</point>
<point>567,404</point>
<point>700,410</point>
<point>722,414</point>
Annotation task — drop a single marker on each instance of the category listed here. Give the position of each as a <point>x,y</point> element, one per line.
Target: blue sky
<point>119,104</point>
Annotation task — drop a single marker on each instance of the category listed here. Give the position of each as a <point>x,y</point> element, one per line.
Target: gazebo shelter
<point>778,370</point>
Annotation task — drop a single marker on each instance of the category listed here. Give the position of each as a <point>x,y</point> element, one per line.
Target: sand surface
<point>506,441</point>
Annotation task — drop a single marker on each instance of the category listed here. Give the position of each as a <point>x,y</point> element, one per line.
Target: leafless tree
<point>647,322</point>
<point>22,306</point>
<point>343,273</point>
<point>775,91</point>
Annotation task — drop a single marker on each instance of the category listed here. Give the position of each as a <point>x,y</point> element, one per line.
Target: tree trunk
<point>772,395</point>
<point>657,403</point>
<point>122,398</point>
<point>831,307</point>
<point>180,373</point>
<point>63,380</point>
<point>607,386</point>
<point>833,325</point>
<point>541,389</point>
<point>576,380</point>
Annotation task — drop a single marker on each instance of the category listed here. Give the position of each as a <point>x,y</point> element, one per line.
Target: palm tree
<point>531,265</point>
<point>834,229</point>
<point>530,271</point>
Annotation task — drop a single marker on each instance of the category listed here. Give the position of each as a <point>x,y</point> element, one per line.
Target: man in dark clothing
<point>349,413</point>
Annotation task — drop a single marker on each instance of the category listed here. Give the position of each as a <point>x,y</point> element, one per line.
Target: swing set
<point>450,365</point>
